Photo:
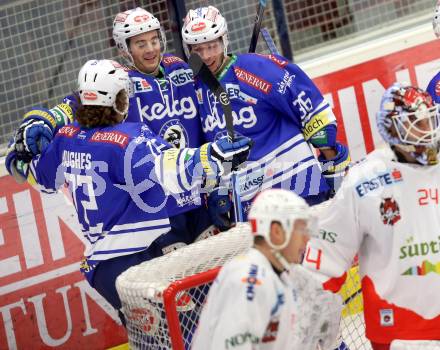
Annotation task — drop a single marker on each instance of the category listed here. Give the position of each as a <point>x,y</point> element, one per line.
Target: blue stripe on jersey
<point>143,229</point>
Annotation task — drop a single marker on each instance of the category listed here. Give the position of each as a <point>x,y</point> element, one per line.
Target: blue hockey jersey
<point>168,105</point>
<point>434,88</point>
<point>280,108</point>
<point>111,173</point>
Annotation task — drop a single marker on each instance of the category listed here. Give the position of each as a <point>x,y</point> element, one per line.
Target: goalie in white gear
<point>263,299</point>
<point>387,211</point>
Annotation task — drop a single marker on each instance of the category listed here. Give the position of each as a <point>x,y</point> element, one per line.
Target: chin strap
<point>281,259</point>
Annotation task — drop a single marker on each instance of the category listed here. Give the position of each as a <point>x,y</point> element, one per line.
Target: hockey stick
<point>269,41</point>
<point>351,297</point>
<point>201,70</point>
<point>257,25</point>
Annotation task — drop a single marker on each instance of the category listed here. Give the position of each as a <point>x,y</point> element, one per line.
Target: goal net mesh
<point>162,298</point>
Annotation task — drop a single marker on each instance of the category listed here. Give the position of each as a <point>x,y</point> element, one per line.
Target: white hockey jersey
<point>248,307</point>
<point>389,213</point>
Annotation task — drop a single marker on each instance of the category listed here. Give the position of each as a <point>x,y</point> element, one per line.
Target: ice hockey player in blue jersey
<point>274,103</point>
<point>434,85</point>
<point>163,86</point>
<point>119,175</point>
<point>162,96</point>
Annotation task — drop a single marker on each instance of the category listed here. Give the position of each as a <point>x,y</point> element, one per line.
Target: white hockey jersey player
<point>233,322</point>
<point>389,212</point>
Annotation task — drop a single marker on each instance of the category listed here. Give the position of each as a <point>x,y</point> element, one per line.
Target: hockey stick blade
<point>201,71</point>
<point>257,26</point>
<point>269,41</point>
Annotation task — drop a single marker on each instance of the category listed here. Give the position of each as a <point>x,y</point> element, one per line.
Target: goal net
<point>162,298</point>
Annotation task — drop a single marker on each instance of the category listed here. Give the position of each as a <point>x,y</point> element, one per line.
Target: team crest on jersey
<point>174,133</point>
<point>389,211</point>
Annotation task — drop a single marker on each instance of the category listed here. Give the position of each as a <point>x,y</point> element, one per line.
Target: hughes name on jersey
<point>388,212</point>
<point>168,104</point>
<point>112,174</point>
<point>279,107</point>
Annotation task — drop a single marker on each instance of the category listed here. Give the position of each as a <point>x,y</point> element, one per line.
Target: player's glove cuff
<point>334,169</point>
<point>55,118</point>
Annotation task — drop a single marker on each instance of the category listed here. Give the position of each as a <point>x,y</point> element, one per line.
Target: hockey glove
<point>18,169</point>
<point>335,169</point>
<point>31,138</point>
<point>216,157</point>
<point>38,127</point>
<point>219,207</point>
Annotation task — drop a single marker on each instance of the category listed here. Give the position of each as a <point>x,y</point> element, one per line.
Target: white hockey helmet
<point>133,22</point>
<point>202,25</point>
<point>407,108</point>
<point>100,81</point>
<point>436,20</point>
<point>281,206</point>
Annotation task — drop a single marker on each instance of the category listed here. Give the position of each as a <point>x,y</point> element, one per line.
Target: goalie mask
<point>202,25</point>
<point>408,120</point>
<point>133,22</point>
<point>100,81</point>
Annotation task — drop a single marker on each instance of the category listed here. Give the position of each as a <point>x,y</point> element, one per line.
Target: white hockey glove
<point>320,312</point>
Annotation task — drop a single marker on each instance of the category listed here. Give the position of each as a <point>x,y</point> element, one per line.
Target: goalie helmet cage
<point>162,298</point>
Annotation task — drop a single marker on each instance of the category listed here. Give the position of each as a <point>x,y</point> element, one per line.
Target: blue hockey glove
<point>38,127</point>
<point>335,169</point>
<point>219,207</point>
<point>31,138</point>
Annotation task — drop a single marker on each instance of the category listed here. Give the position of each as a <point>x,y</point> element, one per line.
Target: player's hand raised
<point>225,154</point>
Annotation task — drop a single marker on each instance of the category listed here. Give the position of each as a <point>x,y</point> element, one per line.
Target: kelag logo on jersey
<point>382,180</point>
<point>215,117</point>
<point>141,85</point>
